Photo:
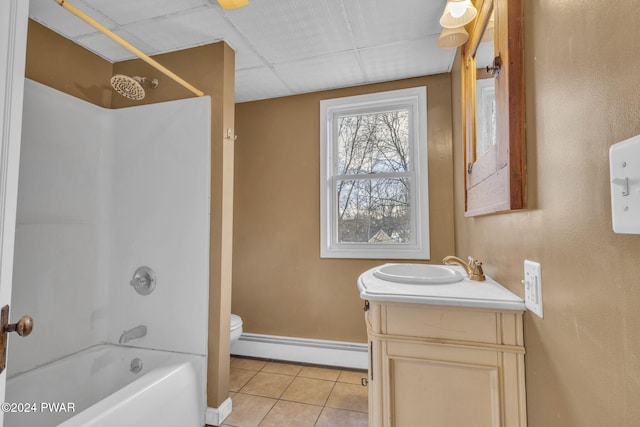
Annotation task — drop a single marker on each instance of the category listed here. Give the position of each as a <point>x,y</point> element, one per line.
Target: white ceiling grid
<point>283,47</point>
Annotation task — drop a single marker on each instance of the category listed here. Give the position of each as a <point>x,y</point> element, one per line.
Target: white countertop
<point>466,293</point>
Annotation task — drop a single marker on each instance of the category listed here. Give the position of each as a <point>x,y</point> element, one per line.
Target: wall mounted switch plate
<point>533,287</point>
<point>624,166</point>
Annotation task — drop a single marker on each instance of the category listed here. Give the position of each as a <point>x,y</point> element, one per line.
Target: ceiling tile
<point>407,59</point>
<point>246,55</point>
<point>290,30</point>
<point>52,15</point>
<point>259,83</point>
<point>320,73</point>
<point>110,50</point>
<point>127,11</point>
<point>382,22</point>
<point>180,31</point>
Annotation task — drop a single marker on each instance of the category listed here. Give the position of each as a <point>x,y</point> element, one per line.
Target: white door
<point>13,45</point>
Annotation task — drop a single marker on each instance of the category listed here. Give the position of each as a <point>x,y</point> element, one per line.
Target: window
<point>374,197</point>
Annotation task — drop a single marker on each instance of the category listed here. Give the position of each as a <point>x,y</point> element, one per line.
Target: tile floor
<point>270,393</point>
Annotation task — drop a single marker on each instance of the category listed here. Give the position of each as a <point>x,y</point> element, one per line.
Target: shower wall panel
<point>59,219</point>
<point>101,193</point>
<point>159,217</point>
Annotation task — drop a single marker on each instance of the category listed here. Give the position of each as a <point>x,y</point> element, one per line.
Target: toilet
<point>236,328</point>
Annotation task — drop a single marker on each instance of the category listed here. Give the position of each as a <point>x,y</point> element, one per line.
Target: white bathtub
<point>96,388</point>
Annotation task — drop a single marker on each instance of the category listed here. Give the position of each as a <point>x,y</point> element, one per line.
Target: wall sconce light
<point>232,4</point>
<point>457,13</point>
<point>452,37</point>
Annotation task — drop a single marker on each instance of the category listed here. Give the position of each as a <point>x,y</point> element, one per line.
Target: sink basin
<point>421,274</point>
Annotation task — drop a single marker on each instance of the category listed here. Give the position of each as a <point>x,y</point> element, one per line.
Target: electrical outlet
<point>533,287</point>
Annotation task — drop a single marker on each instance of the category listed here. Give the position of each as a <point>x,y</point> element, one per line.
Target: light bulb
<point>458,13</point>
<point>457,8</point>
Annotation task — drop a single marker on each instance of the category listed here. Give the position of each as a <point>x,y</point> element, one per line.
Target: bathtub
<point>99,387</point>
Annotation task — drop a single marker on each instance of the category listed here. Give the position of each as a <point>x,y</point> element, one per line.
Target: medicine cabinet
<point>494,109</point>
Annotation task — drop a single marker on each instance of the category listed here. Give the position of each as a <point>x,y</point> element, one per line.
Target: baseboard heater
<point>302,350</point>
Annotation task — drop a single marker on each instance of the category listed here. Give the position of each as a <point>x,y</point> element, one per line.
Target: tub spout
<point>132,334</point>
<point>474,267</point>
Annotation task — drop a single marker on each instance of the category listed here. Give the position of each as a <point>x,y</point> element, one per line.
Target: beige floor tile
<point>349,396</point>
<point>239,377</point>
<point>291,414</point>
<point>250,364</point>
<point>282,368</point>
<point>302,397</point>
<point>319,373</point>
<point>331,417</point>
<point>267,385</point>
<point>248,411</point>
<point>352,377</point>
<point>308,390</point>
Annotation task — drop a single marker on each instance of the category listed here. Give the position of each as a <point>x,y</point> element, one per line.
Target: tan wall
<point>281,286</point>
<point>63,65</point>
<point>66,66</point>
<point>583,93</point>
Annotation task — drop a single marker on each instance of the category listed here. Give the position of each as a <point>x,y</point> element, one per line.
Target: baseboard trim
<point>302,350</point>
<point>215,416</point>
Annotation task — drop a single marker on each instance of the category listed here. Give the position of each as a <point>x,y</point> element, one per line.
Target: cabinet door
<point>441,386</point>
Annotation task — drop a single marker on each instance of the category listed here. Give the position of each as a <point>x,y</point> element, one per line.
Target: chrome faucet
<point>474,267</point>
<point>132,334</point>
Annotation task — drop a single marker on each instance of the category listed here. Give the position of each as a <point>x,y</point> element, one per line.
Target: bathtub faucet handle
<point>144,280</point>
<point>139,281</point>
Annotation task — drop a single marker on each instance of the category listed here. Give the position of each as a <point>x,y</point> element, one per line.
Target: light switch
<point>533,287</point>
<point>624,167</point>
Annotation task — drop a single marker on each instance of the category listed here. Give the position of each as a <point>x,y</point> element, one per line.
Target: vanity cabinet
<point>444,366</point>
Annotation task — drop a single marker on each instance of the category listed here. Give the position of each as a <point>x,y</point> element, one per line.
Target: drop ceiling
<point>283,47</point>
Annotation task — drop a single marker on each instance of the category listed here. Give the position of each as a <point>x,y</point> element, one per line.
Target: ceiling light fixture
<point>452,37</point>
<point>457,13</point>
<point>232,4</point>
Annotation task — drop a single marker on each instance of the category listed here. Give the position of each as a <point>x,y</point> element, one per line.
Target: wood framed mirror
<point>494,109</point>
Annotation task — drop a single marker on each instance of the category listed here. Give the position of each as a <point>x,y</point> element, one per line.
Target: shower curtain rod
<point>131,48</point>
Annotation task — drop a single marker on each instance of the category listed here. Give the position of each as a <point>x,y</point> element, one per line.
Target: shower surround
<point>101,193</point>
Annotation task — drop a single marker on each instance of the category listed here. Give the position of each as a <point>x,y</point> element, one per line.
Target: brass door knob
<point>23,327</point>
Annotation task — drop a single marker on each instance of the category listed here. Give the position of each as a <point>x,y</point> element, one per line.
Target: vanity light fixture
<point>452,37</point>
<point>457,13</point>
<point>232,4</point>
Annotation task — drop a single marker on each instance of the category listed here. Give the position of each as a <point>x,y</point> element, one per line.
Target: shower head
<point>132,87</point>
<point>127,87</point>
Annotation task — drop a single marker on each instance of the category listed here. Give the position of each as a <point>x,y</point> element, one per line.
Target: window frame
<point>416,99</point>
